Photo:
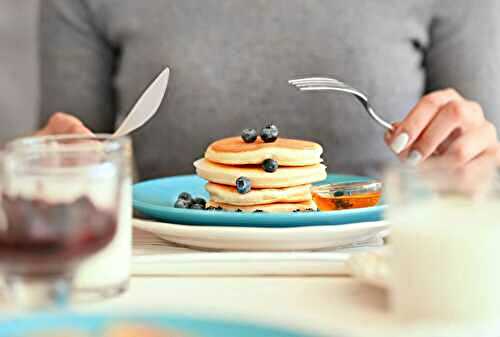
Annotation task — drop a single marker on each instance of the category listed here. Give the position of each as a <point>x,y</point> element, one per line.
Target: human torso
<point>231,61</point>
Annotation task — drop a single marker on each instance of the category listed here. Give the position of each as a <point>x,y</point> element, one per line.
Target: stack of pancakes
<point>285,190</point>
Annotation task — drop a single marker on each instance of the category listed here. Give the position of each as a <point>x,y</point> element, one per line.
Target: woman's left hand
<point>446,124</point>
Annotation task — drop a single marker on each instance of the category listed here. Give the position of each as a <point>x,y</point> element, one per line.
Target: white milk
<point>446,261</point>
<point>111,267</point>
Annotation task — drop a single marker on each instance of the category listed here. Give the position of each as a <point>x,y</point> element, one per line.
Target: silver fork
<point>325,84</point>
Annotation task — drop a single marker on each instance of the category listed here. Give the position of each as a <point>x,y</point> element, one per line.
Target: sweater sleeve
<point>77,65</point>
<point>464,52</point>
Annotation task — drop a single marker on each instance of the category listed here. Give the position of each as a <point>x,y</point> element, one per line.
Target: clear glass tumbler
<point>65,211</point>
<point>445,242</point>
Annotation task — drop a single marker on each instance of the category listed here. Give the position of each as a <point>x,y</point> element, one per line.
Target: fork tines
<point>316,83</point>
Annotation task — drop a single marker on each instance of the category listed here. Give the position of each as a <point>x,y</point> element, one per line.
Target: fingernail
<point>400,142</point>
<point>414,158</point>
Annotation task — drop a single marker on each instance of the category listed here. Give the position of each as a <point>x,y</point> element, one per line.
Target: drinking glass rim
<point>473,178</point>
<point>31,143</point>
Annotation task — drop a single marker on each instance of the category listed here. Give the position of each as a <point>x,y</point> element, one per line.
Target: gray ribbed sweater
<point>231,60</point>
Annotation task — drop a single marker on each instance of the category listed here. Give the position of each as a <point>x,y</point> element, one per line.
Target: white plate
<point>264,239</point>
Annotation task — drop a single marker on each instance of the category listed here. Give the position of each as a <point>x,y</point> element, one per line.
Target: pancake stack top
<point>287,188</point>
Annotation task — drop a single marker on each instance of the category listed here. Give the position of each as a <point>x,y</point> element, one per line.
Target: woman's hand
<point>443,123</point>
<point>61,123</point>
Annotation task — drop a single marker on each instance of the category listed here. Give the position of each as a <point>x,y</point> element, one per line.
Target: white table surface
<point>317,304</point>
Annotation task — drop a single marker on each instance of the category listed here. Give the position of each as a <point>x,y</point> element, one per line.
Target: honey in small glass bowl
<point>340,196</point>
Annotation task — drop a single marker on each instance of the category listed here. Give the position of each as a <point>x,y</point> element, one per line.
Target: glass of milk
<point>61,170</point>
<point>445,243</point>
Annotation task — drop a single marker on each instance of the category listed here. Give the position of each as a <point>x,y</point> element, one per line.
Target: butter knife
<point>146,106</point>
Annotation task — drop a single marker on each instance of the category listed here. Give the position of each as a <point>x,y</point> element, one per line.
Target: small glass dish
<point>338,196</point>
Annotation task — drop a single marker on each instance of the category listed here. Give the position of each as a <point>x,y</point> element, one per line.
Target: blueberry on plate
<point>249,135</point>
<point>185,196</point>
<point>270,165</point>
<point>200,201</point>
<point>182,203</point>
<point>243,185</point>
<point>258,211</point>
<point>238,210</point>
<point>197,206</point>
<point>269,133</point>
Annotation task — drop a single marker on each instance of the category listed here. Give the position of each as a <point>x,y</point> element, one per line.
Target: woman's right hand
<point>61,123</point>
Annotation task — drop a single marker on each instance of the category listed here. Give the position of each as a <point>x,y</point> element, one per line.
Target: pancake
<point>287,152</point>
<point>270,208</point>
<point>282,177</point>
<point>229,195</point>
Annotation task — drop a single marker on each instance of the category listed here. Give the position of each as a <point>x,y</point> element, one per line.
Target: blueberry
<point>258,211</point>
<point>185,196</point>
<point>239,210</point>
<point>296,210</point>
<point>197,206</point>
<point>270,165</point>
<point>249,135</point>
<point>243,185</point>
<point>219,208</point>
<point>269,133</point>
<point>200,201</point>
<point>182,203</point>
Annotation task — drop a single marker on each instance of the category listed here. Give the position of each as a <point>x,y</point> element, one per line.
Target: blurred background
<point>18,67</point>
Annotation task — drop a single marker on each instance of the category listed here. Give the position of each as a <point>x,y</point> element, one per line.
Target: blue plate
<point>47,324</point>
<point>156,198</point>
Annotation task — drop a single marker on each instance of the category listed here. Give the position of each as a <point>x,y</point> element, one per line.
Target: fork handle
<point>374,116</point>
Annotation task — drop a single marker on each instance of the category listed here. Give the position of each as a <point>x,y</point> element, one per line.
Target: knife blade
<point>146,106</point>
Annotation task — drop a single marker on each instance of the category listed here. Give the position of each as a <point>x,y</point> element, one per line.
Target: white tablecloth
<point>323,305</point>
<point>316,295</point>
